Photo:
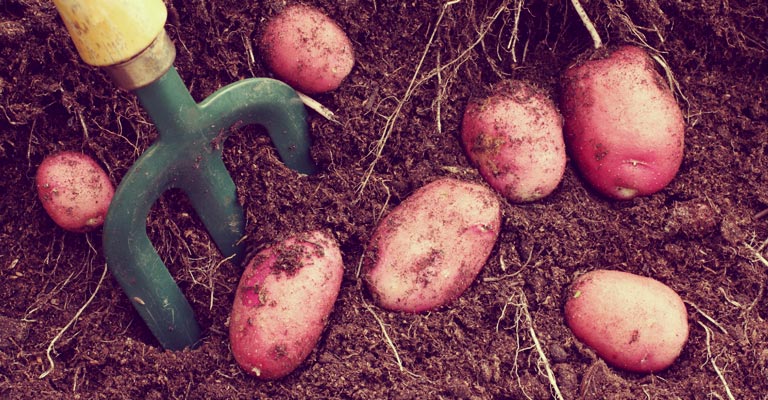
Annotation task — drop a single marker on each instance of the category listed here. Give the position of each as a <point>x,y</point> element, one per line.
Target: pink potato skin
<point>515,137</point>
<point>623,127</point>
<point>75,190</point>
<point>428,250</point>
<point>307,49</point>
<point>633,322</point>
<point>282,304</point>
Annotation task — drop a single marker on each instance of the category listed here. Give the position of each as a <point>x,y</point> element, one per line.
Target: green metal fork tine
<point>214,197</point>
<point>133,260</point>
<point>267,102</point>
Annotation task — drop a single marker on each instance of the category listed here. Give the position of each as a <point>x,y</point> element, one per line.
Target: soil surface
<point>418,63</point>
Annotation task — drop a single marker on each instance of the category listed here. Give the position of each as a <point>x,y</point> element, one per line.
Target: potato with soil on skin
<point>515,137</point>
<point>633,322</point>
<point>428,250</point>
<point>75,190</point>
<point>623,127</point>
<point>282,303</point>
<point>307,49</point>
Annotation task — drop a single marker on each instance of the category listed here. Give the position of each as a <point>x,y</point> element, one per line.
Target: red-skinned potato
<point>282,304</point>
<point>428,250</point>
<point>515,137</point>
<point>633,322</point>
<point>623,127</point>
<point>307,49</point>
<point>75,190</point>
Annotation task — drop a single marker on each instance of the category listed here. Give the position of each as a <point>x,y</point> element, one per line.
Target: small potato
<point>634,323</point>
<point>282,304</point>
<point>430,248</point>
<point>515,137</point>
<point>623,126</point>
<point>75,191</point>
<point>307,49</point>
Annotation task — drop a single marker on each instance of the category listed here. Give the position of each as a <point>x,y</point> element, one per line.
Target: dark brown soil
<point>701,235</point>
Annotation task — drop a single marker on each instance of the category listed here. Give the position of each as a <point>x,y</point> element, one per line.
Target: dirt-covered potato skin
<point>515,137</point>
<point>283,302</point>
<point>429,249</point>
<point>75,190</point>
<point>307,49</point>
<point>623,127</point>
<point>633,322</point>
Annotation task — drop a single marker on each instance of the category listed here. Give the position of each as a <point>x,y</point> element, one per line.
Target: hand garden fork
<point>128,39</point>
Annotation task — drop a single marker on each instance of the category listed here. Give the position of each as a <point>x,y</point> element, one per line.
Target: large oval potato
<point>429,249</point>
<point>515,137</point>
<point>307,49</point>
<point>623,126</point>
<point>633,322</point>
<point>282,303</point>
<point>75,190</point>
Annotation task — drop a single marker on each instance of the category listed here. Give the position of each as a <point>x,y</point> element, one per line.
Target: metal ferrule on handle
<point>146,67</point>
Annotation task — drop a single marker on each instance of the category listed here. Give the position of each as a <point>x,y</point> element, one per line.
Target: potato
<point>623,127</point>
<point>515,137</point>
<point>307,49</point>
<point>634,323</point>
<point>75,190</point>
<point>429,249</point>
<point>282,303</point>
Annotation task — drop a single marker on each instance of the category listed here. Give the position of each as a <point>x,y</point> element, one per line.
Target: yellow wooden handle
<point>109,32</point>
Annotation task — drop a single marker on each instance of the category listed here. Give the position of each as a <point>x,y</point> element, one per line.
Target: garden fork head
<point>127,38</point>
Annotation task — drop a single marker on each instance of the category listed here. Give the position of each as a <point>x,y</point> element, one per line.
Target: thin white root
<point>387,339</point>
<point>210,278</point>
<point>503,313</point>
<point>360,264</point>
<point>542,355</point>
<point>512,45</point>
<point>389,126</point>
<point>674,85</point>
<point>758,253</point>
<point>414,83</point>
<point>439,98</point>
<point>705,315</point>
<point>672,82</point>
<point>464,55</point>
<point>58,336</point>
<point>759,256</point>
<point>317,107</point>
<point>712,360</point>
<point>598,43</point>
<point>249,52</point>
<point>522,307</point>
